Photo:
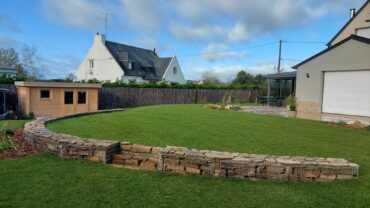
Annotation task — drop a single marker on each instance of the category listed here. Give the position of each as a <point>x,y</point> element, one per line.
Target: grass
<point>45,180</point>
<point>13,124</point>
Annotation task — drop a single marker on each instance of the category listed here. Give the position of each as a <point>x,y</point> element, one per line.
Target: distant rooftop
<point>283,75</point>
<point>8,70</point>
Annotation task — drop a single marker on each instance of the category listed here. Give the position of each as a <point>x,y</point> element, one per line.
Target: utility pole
<point>279,61</point>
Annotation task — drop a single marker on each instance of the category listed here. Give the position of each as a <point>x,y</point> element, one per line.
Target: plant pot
<point>292,114</point>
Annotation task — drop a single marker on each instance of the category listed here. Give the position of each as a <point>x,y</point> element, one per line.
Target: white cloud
<point>76,13</point>
<point>244,19</point>
<point>227,72</point>
<point>187,32</point>
<point>58,65</point>
<point>219,52</point>
<point>238,33</point>
<point>147,15</point>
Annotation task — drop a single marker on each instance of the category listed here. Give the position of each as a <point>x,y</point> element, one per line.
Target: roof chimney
<point>352,12</point>
<point>99,38</point>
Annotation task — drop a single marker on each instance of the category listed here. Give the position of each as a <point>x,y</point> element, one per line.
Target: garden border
<point>184,160</point>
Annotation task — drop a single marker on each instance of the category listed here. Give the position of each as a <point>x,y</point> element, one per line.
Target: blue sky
<point>197,31</point>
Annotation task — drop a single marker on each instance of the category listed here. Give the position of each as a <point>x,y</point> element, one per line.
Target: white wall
<point>127,79</point>
<point>105,66</point>
<point>169,76</point>
<point>352,55</point>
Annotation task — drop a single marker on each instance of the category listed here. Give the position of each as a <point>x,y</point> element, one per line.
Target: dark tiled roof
<point>146,63</point>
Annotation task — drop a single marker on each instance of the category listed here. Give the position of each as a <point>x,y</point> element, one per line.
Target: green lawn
<point>12,124</point>
<point>44,180</point>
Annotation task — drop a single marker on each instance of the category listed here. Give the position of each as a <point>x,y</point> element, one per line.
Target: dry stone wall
<point>189,161</point>
<point>234,165</point>
<point>69,146</point>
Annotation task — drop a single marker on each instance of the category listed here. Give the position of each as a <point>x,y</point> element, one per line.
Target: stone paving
<point>267,110</point>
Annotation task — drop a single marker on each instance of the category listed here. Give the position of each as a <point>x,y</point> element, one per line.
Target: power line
<point>305,42</point>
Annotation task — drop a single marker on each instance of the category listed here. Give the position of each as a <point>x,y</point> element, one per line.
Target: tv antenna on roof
<point>105,19</point>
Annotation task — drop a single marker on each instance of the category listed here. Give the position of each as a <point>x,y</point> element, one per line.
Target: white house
<point>334,84</point>
<point>111,61</point>
<point>8,72</point>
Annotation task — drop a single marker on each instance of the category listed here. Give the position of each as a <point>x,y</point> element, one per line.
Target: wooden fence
<point>110,98</point>
<point>125,97</point>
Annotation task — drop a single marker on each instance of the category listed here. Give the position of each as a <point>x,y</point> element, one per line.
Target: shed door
<point>347,93</point>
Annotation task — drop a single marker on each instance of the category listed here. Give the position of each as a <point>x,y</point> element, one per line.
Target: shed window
<point>44,94</point>
<point>68,97</point>
<point>81,97</point>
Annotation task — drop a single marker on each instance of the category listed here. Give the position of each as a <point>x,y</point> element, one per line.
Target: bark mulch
<point>23,148</point>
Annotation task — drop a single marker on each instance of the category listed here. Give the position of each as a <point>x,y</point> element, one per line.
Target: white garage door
<point>347,93</point>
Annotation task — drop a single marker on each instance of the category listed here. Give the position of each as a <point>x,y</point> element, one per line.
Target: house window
<point>81,97</point>
<point>44,94</point>
<point>174,70</point>
<point>68,97</point>
<point>91,62</point>
<point>130,65</point>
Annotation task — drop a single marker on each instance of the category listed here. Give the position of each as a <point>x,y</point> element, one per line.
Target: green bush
<point>342,123</point>
<point>180,86</point>
<point>291,102</point>
<point>29,116</point>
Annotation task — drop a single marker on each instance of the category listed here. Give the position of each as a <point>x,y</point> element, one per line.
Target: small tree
<point>31,61</point>
<point>291,102</point>
<point>8,57</point>
<point>70,77</point>
<point>210,78</point>
<point>243,78</point>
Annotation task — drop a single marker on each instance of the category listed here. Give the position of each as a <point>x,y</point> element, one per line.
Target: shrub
<point>342,123</point>
<point>5,140</point>
<point>29,116</point>
<point>9,132</point>
<point>291,102</point>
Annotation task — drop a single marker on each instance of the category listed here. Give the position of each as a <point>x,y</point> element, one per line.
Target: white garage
<point>347,92</point>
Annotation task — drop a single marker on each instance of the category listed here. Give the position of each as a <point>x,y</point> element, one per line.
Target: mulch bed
<point>356,126</point>
<point>24,148</point>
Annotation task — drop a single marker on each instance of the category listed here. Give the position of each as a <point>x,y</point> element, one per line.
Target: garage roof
<point>352,37</point>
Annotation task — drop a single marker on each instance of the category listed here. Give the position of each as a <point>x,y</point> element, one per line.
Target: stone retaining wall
<point>69,146</point>
<point>234,165</point>
<point>189,161</point>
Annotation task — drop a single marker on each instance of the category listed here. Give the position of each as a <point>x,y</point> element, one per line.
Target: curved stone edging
<point>69,146</point>
<point>187,161</point>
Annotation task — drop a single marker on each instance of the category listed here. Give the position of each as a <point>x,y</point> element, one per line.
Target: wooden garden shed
<point>45,99</point>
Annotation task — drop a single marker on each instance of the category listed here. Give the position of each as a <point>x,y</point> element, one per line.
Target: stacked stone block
<point>137,156</point>
<point>69,146</point>
<point>186,161</point>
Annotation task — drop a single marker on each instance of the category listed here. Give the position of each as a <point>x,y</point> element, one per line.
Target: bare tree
<point>31,61</point>
<point>70,77</point>
<point>8,57</point>
<point>210,78</point>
